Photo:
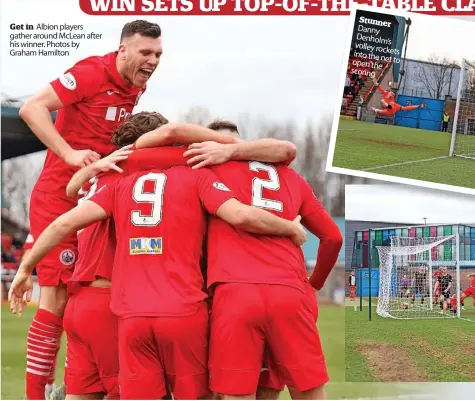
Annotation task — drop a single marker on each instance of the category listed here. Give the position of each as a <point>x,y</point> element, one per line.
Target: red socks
<point>43,344</point>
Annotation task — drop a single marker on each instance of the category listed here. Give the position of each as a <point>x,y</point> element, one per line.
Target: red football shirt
<point>160,222</point>
<point>96,243</point>
<point>238,256</point>
<point>96,101</point>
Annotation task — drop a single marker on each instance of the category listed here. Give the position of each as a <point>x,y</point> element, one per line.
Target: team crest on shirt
<point>138,98</point>
<point>146,246</point>
<point>220,186</point>
<point>68,81</point>
<point>67,257</point>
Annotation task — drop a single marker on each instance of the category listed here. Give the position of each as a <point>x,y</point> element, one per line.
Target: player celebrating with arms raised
<point>92,98</point>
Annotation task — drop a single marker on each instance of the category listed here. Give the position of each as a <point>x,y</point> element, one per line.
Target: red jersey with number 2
<point>96,101</point>
<point>160,222</point>
<point>236,256</point>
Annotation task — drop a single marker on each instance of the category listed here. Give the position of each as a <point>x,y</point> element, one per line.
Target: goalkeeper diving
<point>390,107</point>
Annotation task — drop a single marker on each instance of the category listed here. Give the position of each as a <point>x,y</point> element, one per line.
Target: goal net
<point>419,278</point>
<point>463,128</point>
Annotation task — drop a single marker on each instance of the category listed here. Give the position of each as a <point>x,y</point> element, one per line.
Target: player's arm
<point>179,133</point>
<point>379,87</point>
<point>36,112</point>
<point>81,216</point>
<point>259,221</point>
<point>220,201</point>
<point>317,220</point>
<point>102,165</point>
<point>470,275</point>
<point>264,150</point>
<point>77,218</point>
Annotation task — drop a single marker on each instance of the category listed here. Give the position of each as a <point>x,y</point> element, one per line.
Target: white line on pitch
<point>468,320</point>
<point>403,163</point>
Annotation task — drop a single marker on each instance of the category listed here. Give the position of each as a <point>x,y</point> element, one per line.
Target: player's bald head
<point>225,126</point>
<point>135,126</point>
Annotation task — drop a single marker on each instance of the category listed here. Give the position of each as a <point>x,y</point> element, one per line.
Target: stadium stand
<point>358,84</point>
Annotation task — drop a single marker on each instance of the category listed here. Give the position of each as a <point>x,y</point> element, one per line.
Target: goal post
<point>463,129</point>
<point>409,287</point>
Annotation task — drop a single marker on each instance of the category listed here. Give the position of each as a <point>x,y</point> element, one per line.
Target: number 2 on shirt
<point>258,184</point>
<point>154,198</point>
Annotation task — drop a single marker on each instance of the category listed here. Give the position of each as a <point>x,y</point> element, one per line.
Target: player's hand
<point>110,162</point>
<point>207,154</point>
<point>20,291</point>
<point>374,81</point>
<point>299,237</point>
<point>81,158</point>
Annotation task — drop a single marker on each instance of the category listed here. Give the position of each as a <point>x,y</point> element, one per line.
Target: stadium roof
<point>17,138</point>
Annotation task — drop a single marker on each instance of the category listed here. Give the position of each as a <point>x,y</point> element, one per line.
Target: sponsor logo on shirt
<point>116,114</point>
<point>68,81</point>
<point>111,92</point>
<point>67,257</point>
<point>220,186</point>
<point>146,246</point>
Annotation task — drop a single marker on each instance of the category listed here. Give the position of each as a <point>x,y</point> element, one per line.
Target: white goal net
<point>419,278</point>
<point>463,128</point>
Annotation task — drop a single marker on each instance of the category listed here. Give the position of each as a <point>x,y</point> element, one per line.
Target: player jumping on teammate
<point>390,107</point>
<point>92,98</point>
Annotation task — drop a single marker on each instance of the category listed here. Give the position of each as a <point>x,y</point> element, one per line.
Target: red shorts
<point>248,317</point>
<point>469,291</point>
<point>269,378</point>
<point>58,265</point>
<point>92,347</point>
<point>156,351</point>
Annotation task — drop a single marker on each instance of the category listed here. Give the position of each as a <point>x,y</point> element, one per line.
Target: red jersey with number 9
<point>160,222</point>
<point>236,256</point>
<point>96,101</point>
<point>97,243</point>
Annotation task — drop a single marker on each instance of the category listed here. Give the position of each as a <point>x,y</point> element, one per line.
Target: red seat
<point>6,241</point>
<point>18,254</point>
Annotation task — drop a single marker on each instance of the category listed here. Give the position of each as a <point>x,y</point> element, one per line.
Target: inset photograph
<point>407,100</point>
<point>410,295</point>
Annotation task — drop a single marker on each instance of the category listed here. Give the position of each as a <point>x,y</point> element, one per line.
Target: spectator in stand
<point>347,81</point>
<point>359,108</point>
<point>17,241</point>
<point>360,81</point>
<point>7,256</point>
<point>344,102</point>
<point>354,76</point>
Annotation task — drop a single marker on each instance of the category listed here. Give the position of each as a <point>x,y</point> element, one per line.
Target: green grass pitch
<point>332,331</point>
<point>368,146</point>
<point>15,329</point>
<point>436,350</point>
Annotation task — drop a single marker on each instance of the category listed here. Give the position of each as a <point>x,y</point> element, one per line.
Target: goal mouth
<point>463,126</point>
<point>419,278</point>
